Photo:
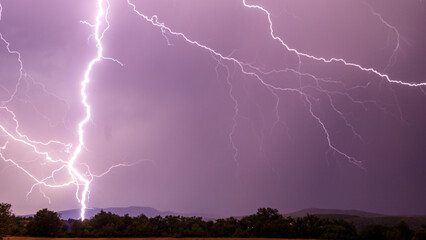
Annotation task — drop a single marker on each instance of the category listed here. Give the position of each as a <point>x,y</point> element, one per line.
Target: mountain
<point>332,212</point>
<point>132,211</point>
<point>361,219</point>
<point>412,221</point>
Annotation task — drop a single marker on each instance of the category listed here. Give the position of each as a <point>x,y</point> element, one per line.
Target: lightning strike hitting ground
<point>77,178</point>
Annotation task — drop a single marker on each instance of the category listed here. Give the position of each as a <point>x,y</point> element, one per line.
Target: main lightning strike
<point>71,168</point>
<point>77,178</point>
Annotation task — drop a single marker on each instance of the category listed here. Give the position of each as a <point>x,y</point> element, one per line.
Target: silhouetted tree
<point>309,226</point>
<point>7,219</point>
<point>420,233</point>
<point>224,227</point>
<point>338,229</point>
<point>266,223</point>
<point>79,228</point>
<point>376,232</point>
<point>44,224</point>
<point>138,227</point>
<point>404,229</point>
<point>107,224</point>
<point>20,228</point>
<point>400,232</point>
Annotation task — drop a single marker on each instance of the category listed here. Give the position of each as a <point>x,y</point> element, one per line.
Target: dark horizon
<point>201,110</point>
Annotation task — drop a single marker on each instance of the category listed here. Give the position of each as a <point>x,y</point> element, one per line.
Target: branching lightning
<point>329,60</point>
<point>257,73</point>
<point>14,135</point>
<point>393,29</point>
<point>243,69</point>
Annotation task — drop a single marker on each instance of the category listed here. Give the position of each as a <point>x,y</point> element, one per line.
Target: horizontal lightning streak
<point>325,60</point>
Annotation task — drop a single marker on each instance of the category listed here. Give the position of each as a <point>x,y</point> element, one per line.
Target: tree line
<point>266,223</point>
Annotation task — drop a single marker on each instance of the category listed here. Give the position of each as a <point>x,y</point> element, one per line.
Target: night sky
<point>238,124</point>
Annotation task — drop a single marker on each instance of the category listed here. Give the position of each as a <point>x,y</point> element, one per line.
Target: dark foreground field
<point>34,238</point>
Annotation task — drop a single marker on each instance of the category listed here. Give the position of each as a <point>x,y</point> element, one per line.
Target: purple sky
<point>205,136</point>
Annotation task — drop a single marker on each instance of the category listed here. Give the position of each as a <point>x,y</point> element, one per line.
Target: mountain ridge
<point>132,211</point>
<point>323,211</point>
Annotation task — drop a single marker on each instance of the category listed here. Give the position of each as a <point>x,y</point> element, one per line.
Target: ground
<point>33,238</point>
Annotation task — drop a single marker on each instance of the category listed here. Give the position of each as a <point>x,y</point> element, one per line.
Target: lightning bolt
<point>98,38</point>
<point>257,74</point>
<point>236,109</point>
<point>40,148</point>
<point>397,36</point>
<point>333,59</point>
<point>242,66</point>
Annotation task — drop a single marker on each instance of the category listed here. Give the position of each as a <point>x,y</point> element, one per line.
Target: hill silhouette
<point>132,211</point>
<point>333,212</point>
<point>359,218</point>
